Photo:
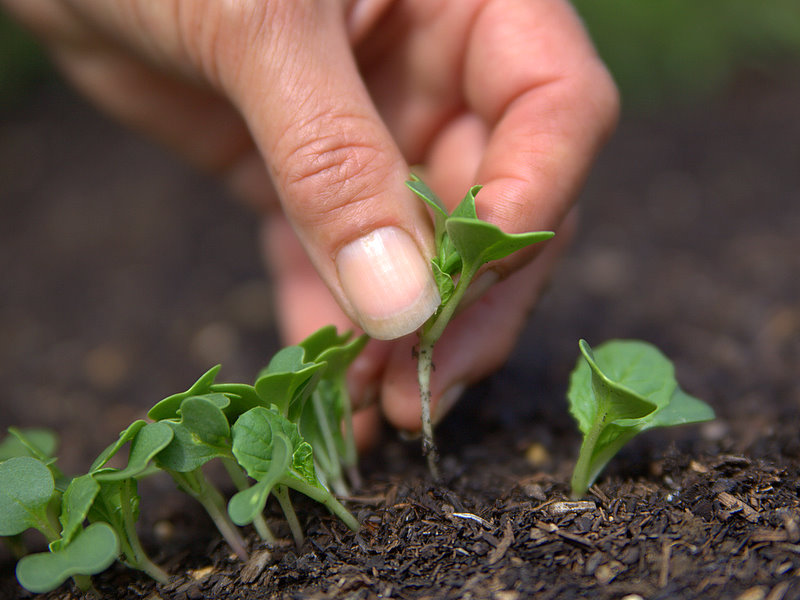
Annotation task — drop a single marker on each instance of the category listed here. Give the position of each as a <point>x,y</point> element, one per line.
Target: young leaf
<point>168,407</point>
<point>624,390</point>
<point>146,442</point>
<point>244,506</point>
<point>253,437</point>
<point>117,504</point>
<point>242,397</point>
<point>124,437</point>
<point>326,420</point>
<point>681,410</point>
<point>466,208</point>
<point>479,242</point>
<point>26,488</point>
<point>91,551</point>
<point>337,351</point>
<point>110,504</point>
<point>620,389</point>
<point>253,434</point>
<point>75,504</point>
<point>38,443</point>
<point>444,280</point>
<point>416,185</point>
<point>288,380</point>
<point>321,340</point>
<point>201,434</point>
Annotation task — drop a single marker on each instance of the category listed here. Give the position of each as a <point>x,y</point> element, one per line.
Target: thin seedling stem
<point>201,489</point>
<point>282,494</point>
<point>240,481</point>
<point>429,335</point>
<point>138,555</point>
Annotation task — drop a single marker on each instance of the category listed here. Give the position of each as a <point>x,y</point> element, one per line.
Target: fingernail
<point>447,401</point>
<point>388,283</point>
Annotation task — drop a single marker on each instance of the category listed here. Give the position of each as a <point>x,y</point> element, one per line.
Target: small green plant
<point>618,390</point>
<point>35,495</point>
<point>291,429</point>
<point>464,243</point>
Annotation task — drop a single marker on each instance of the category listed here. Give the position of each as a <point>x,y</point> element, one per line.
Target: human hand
<point>312,111</point>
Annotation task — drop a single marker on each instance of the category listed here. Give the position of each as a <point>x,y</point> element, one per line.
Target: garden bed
<point>126,276</point>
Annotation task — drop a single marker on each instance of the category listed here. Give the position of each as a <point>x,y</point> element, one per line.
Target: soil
<point>125,276</point>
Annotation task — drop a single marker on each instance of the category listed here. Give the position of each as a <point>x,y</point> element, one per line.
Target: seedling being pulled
<point>464,243</point>
<point>618,390</point>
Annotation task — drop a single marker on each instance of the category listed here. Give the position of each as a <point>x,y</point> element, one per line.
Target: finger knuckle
<point>605,97</point>
<point>215,36</point>
<point>328,171</point>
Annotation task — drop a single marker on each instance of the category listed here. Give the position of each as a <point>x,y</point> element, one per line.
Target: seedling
<point>93,550</point>
<point>617,391</point>
<point>273,453</point>
<point>29,499</point>
<point>464,243</point>
<point>327,420</point>
<point>257,430</point>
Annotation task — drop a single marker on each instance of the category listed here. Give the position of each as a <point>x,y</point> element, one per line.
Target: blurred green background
<point>667,52</point>
<point>22,63</point>
<point>661,52</point>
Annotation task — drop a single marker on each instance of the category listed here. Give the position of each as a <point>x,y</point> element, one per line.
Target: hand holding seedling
<point>312,111</point>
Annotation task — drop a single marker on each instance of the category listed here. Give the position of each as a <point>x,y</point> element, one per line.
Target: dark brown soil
<point>125,276</point>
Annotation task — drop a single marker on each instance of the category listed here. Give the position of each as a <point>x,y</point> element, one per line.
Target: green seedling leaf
<point>255,436</point>
<point>321,340</point>
<point>286,360</point>
<point>466,208</point>
<point>253,440</point>
<point>620,389</point>
<point>426,194</point>
<point>288,380</point>
<point>339,358</point>
<point>147,442</point>
<point>337,351</point>
<point>242,398</point>
<point>682,409</point>
<point>303,465</point>
<point>332,405</point>
<point>246,505</point>
<point>479,242</point>
<point>115,500</point>
<point>117,504</point>
<point>326,418</point>
<point>26,488</point>
<point>168,407</point>
<point>38,443</point>
<point>124,437</point>
<point>91,551</point>
<point>75,504</point>
<point>321,425</point>
<point>633,380</point>
<point>444,281</point>
<point>201,434</point>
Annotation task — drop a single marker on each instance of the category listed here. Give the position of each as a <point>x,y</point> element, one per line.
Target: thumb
<point>337,170</point>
